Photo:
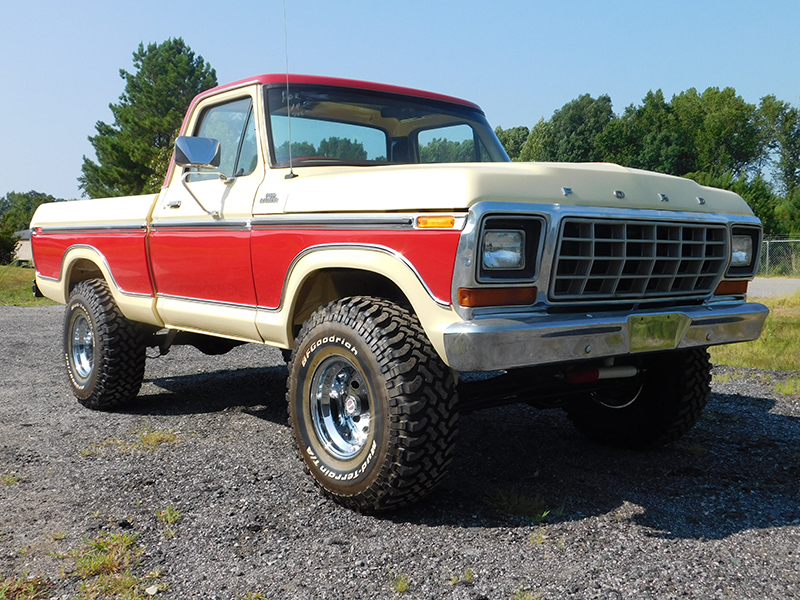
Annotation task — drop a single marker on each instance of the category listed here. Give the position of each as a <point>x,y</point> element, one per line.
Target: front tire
<point>104,351</point>
<point>371,404</point>
<point>663,406</point>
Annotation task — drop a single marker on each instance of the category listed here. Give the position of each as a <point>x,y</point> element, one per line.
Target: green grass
<point>695,449</point>
<point>779,345</point>
<point>151,439</point>
<point>10,479</point>
<point>169,517</point>
<point>467,577</point>
<point>147,439</point>
<point>15,288</point>
<point>107,554</point>
<point>790,387</point>
<point>105,565</point>
<point>526,595</point>
<point>401,583</point>
<point>512,503</point>
<point>24,588</point>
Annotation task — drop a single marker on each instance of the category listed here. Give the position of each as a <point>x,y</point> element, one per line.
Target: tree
<point>512,139</point>
<point>757,192</point>
<point>576,125</point>
<point>134,152</point>
<point>335,147</point>
<point>16,211</point>
<point>649,137</point>
<point>441,150</point>
<point>727,132</point>
<point>783,131</point>
<point>787,213</point>
<point>538,147</point>
<point>571,134</point>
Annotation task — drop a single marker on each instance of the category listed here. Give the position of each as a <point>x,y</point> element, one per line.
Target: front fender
<point>435,314</point>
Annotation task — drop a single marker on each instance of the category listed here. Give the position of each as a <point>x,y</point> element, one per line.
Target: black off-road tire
<point>674,390</point>
<point>104,351</point>
<point>371,404</point>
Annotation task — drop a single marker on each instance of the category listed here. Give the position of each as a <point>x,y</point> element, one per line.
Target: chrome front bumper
<point>496,343</point>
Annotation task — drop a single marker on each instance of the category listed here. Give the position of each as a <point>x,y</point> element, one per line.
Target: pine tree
<point>134,152</point>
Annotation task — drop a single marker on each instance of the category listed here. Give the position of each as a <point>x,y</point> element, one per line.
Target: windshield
<point>332,125</point>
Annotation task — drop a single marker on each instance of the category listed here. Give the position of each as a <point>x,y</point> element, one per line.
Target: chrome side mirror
<point>199,153</point>
<point>202,153</point>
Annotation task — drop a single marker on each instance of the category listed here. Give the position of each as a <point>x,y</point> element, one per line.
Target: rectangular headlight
<point>504,249</point>
<point>741,251</point>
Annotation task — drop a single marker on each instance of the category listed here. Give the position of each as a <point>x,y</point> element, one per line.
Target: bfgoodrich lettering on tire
<point>104,351</point>
<point>663,404</point>
<point>371,404</point>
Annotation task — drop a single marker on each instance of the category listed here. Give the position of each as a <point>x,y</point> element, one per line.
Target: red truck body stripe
<point>213,265</point>
<point>432,253</point>
<point>124,254</point>
<point>203,264</point>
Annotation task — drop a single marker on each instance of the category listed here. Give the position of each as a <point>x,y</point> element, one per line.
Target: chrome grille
<point>600,259</point>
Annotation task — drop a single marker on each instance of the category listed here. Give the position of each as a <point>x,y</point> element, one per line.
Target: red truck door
<point>200,230</point>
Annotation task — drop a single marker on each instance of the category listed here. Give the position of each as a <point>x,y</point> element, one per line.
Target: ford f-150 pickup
<point>409,271</point>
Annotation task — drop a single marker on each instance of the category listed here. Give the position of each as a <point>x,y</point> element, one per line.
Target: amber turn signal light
<point>476,297</point>
<point>439,222</point>
<point>731,287</point>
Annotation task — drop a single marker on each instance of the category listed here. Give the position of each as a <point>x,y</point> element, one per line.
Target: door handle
<point>174,204</point>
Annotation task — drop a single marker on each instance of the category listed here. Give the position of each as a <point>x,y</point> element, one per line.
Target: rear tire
<point>104,351</point>
<point>668,402</point>
<point>371,404</point>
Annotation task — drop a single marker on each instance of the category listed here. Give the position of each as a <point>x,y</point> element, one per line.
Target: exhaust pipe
<point>596,373</point>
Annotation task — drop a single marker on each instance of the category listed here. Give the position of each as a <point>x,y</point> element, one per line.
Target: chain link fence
<point>780,256</point>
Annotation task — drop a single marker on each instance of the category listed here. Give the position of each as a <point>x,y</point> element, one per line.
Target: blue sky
<point>520,61</point>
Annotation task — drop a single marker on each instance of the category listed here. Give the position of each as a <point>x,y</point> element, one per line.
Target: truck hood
<point>459,186</point>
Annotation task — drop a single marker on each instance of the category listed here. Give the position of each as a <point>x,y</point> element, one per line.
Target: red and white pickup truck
<point>382,237</point>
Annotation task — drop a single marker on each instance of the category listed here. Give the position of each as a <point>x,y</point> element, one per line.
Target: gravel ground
<point>716,515</point>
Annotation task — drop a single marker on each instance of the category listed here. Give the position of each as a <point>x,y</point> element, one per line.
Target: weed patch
<point>148,440</point>
<point>109,553</point>
<point>695,449</point>
<point>151,439</point>
<point>24,588</point>
<point>790,387</point>
<point>526,595</point>
<point>10,479</point>
<point>169,517</point>
<point>465,578</point>
<point>511,503</point>
<point>400,583</point>
<point>106,566</point>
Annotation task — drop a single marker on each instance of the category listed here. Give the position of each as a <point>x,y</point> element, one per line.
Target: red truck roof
<point>276,78</point>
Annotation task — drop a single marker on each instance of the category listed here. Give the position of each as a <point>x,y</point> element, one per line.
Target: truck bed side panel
<point>123,252</point>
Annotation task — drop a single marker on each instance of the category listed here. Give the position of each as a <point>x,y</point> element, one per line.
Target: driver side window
<point>233,125</point>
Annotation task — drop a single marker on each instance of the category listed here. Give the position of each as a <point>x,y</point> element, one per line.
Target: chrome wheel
<point>340,407</point>
<point>82,346</point>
